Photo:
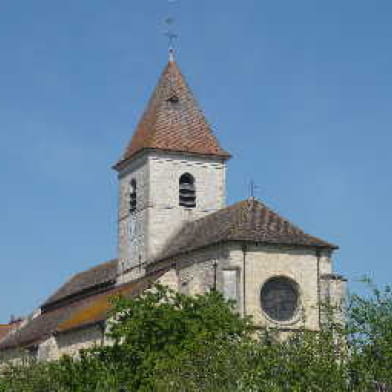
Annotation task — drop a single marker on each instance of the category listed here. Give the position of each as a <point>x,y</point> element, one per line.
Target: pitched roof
<point>6,328</point>
<point>247,220</point>
<point>87,311</point>
<point>102,275</point>
<point>173,121</point>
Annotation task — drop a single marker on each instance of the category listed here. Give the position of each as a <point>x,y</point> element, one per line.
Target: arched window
<point>187,191</point>
<point>132,196</point>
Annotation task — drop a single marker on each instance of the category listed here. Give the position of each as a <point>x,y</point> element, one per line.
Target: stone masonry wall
<point>204,269</point>
<point>132,252</point>
<point>262,263</point>
<point>196,272</point>
<point>158,216</point>
<point>70,343</point>
<point>54,347</point>
<point>165,216</point>
<point>48,350</point>
<point>15,357</point>
<point>333,295</point>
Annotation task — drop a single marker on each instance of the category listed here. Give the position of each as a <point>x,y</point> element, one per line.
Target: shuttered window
<point>187,191</point>
<point>132,196</point>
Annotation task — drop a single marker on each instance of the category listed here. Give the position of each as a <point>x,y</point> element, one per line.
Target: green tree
<point>165,341</point>
<point>163,332</point>
<point>370,335</point>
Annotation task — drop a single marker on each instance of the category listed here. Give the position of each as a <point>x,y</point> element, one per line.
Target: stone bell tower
<point>173,170</point>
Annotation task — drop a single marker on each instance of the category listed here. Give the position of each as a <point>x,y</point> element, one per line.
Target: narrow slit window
<point>230,285</point>
<point>187,192</point>
<point>132,196</point>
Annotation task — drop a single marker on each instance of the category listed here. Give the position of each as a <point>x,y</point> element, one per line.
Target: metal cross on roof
<point>253,187</point>
<point>170,33</point>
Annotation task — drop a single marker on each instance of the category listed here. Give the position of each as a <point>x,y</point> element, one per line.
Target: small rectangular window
<point>230,286</point>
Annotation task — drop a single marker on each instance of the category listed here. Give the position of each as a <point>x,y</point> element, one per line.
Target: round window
<point>279,298</point>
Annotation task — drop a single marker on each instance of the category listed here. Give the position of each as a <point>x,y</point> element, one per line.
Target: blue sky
<point>298,91</point>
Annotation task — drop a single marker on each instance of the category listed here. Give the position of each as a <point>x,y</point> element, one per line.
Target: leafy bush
<point>165,341</point>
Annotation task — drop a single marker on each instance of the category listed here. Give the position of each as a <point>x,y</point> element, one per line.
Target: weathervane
<point>170,33</point>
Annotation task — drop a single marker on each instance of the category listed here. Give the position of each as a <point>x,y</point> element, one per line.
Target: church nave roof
<point>80,313</point>
<point>247,220</point>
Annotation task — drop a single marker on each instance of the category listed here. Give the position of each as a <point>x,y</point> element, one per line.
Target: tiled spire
<point>173,121</point>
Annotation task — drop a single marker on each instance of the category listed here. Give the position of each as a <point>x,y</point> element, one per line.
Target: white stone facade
<point>132,250</point>
<point>158,215</point>
<point>55,346</point>
<point>255,264</point>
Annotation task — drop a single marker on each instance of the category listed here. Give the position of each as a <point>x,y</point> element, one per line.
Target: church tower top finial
<point>171,55</point>
<point>172,36</point>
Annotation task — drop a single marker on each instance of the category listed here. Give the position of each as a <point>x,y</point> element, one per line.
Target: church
<point>174,227</point>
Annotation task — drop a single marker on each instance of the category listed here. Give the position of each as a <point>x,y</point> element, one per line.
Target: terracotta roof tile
<point>97,309</point>
<point>173,121</point>
<point>248,220</point>
<point>101,275</point>
<point>37,329</point>
<point>5,328</point>
<point>73,315</point>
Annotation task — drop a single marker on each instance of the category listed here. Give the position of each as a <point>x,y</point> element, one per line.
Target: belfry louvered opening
<point>132,196</point>
<point>187,191</point>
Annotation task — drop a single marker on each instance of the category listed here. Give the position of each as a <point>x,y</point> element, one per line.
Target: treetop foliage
<point>166,341</point>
